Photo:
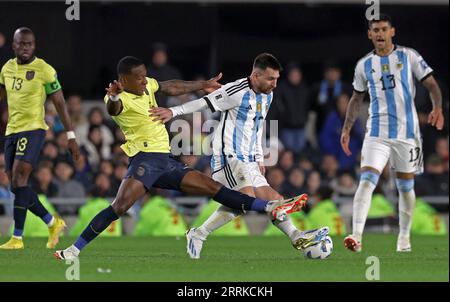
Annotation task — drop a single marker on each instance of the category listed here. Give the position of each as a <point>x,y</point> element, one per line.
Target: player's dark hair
<point>127,63</point>
<point>266,60</point>
<point>381,18</point>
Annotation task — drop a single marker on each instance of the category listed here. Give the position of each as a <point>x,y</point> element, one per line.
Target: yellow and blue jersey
<point>142,134</point>
<point>27,87</point>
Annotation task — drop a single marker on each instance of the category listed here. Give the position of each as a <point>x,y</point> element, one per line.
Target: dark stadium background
<point>207,38</point>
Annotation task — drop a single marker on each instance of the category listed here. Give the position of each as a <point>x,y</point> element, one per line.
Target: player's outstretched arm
<point>166,114</point>
<point>436,117</point>
<point>350,118</point>
<point>179,87</point>
<point>114,104</point>
<point>2,92</point>
<point>58,100</point>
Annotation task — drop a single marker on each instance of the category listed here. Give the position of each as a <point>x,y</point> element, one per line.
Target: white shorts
<point>238,174</point>
<point>404,155</point>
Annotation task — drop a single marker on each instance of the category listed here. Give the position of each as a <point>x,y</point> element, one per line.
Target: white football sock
<point>287,227</point>
<point>74,250</point>
<point>220,217</point>
<point>406,203</point>
<point>51,222</point>
<point>361,206</point>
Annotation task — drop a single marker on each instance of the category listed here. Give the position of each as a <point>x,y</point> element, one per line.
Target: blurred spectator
<point>305,165</point>
<point>102,186</point>
<point>52,118</point>
<point>286,162</point>
<point>429,135</point>
<point>329,168</point>
<point>330,136</point>
<point>75,109</point>
<point>325,212</point>
<point>325,93</point>
<point>50,152</point>
<point>42,182</point>
<point>434,181</point>
<point>63,147</point>
<point>95,118</point>
<point>313,183</point>
<point>275,178</point>
<point>5,51</point>
<point>106,167</point>
<point>442,151</point>
<point>6,196</point>
<point>82,172</point>
<point>120,171</point>
<point>67,187</point>
<point>161,70</point>
<point>295,184</point>
<point>96,148</point>
<point>3,122</point>
<point>345,185</point>
<point>291,107</point>
<point>116,149</point>
<point>272,150</point>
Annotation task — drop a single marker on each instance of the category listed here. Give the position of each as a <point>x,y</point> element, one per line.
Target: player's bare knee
<point>120,207</point>
<point>19,179</point>
<point>213,187</point>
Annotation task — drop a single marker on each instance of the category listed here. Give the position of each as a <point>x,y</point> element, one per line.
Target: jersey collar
<point>395,48</point>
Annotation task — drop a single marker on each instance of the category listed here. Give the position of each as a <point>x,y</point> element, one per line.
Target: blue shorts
<point>24,146</point>
<point>158,170</point>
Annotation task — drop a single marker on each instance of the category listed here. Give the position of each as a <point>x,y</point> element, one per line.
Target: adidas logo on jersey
<point>249,107</point>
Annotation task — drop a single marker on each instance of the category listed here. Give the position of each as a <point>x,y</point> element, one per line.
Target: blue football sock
<point>97,225</point>
<point>20,210</point>
<point>36,207</point>
<point>238,201</point>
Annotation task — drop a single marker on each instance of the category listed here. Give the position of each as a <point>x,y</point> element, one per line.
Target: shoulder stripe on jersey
<point>374,112</point>
<point>390,98</point>
<point>235,86</point>
<point>209,104</point>
<point>237,90</point>
<point>231,89</point>
<point>406,94</point>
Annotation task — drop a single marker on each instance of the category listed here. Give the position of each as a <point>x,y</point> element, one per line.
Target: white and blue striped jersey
<point>240,130</point>
<point>390,83</point>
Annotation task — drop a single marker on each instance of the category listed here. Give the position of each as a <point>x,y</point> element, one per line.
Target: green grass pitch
<point>228,259</point>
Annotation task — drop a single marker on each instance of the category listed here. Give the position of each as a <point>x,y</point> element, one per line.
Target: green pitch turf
<point>228,259</point>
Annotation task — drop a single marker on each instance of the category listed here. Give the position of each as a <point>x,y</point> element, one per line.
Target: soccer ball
<point>321,250</point>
